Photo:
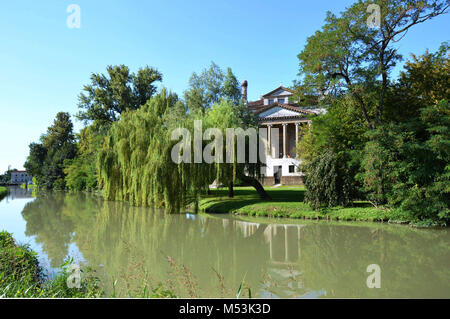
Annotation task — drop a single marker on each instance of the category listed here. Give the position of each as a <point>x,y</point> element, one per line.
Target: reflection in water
<point>15,192</point>
<point>285,260</point>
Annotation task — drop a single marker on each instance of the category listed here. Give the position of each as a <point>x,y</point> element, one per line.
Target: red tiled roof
<point>256,103</point>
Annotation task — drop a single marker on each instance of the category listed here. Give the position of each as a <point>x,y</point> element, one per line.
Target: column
<point>269,140</point>
<point>296,135</point>
<point>284,139</point>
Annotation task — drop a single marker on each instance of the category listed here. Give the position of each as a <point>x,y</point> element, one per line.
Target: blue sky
<point>44,64</point>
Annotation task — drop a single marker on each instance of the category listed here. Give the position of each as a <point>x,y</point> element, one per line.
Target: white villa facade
<point>20,177</point>
<point>277,110</point>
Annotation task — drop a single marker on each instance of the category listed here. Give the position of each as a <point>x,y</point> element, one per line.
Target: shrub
<point>329,181</point>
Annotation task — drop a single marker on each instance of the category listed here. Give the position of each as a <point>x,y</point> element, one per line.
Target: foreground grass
<point>288,202</point>
<point>3,192</point>
<point>22,277</point>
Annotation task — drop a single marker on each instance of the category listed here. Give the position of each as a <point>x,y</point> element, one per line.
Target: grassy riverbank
<point>288,202</point>
<point>3,192</point>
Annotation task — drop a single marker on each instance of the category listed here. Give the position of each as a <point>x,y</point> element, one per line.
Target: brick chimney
<point>244,91</point>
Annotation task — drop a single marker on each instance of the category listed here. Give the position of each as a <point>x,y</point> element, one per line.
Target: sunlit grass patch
<point>3,192</point>
<point>287,201</point>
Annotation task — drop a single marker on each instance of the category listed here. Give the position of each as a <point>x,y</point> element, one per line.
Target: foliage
<point>424,81</point>
<point>349,56</point>
<point>406,165</point>
<point>22,277</point>
<point>210,87</point>
<point>374,125</point>
<point>330,153</point>
<point>135,163</point>
<point>81,172</point>
<point>46,159</point>
<point>339,130</point>
<point>107,96</point>
<point>328,181</point>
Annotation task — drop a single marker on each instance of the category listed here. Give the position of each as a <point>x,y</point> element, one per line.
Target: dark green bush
<point>329,181</point>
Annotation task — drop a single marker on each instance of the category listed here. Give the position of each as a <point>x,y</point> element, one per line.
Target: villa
<point>20,177</point>
<point>278,110</point>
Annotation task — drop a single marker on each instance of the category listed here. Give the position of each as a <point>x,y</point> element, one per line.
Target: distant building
<point>278,110</point>
<point>20,177</point>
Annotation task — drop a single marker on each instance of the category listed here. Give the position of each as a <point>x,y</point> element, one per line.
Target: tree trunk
<point>230,190</point>
<point>256,184</point>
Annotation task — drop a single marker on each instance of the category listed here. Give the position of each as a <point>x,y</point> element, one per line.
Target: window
<point>291,168</point>
<point>270,101</point>
<point>280,100</point>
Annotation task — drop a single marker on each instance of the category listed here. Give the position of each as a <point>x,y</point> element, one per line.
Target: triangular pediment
<point>278,111</point>
<point>280,91</point>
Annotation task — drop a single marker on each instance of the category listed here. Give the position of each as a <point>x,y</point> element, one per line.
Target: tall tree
<point>107,96</point>
<point>231,88</point>
<point>353,56</point>
<point>425,81</point>
<point>209,87</point>
<point>46,159</point>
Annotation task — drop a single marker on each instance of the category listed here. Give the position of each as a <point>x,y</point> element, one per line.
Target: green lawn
<point>3,192</point>
<point>287,202</point>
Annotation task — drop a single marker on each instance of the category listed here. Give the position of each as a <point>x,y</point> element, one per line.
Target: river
<point>275,257</point>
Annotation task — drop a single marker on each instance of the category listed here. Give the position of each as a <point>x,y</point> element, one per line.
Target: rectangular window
<point>270,101</point>
<point>291,168</point>
<point>281,101</point>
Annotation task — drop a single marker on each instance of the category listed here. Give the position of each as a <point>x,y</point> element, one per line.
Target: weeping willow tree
<point>136,165</point>
<point>225,115</point>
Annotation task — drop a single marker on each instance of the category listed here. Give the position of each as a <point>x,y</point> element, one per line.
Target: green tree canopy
<point>107,96</point>
<point>46,159</point>
<point>348,55</point>
<point>209,87</point>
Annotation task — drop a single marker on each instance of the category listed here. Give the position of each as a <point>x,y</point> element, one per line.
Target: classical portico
<point>288,138</point>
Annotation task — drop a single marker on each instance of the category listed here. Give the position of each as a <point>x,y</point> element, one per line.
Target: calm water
<point>279,258</point>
